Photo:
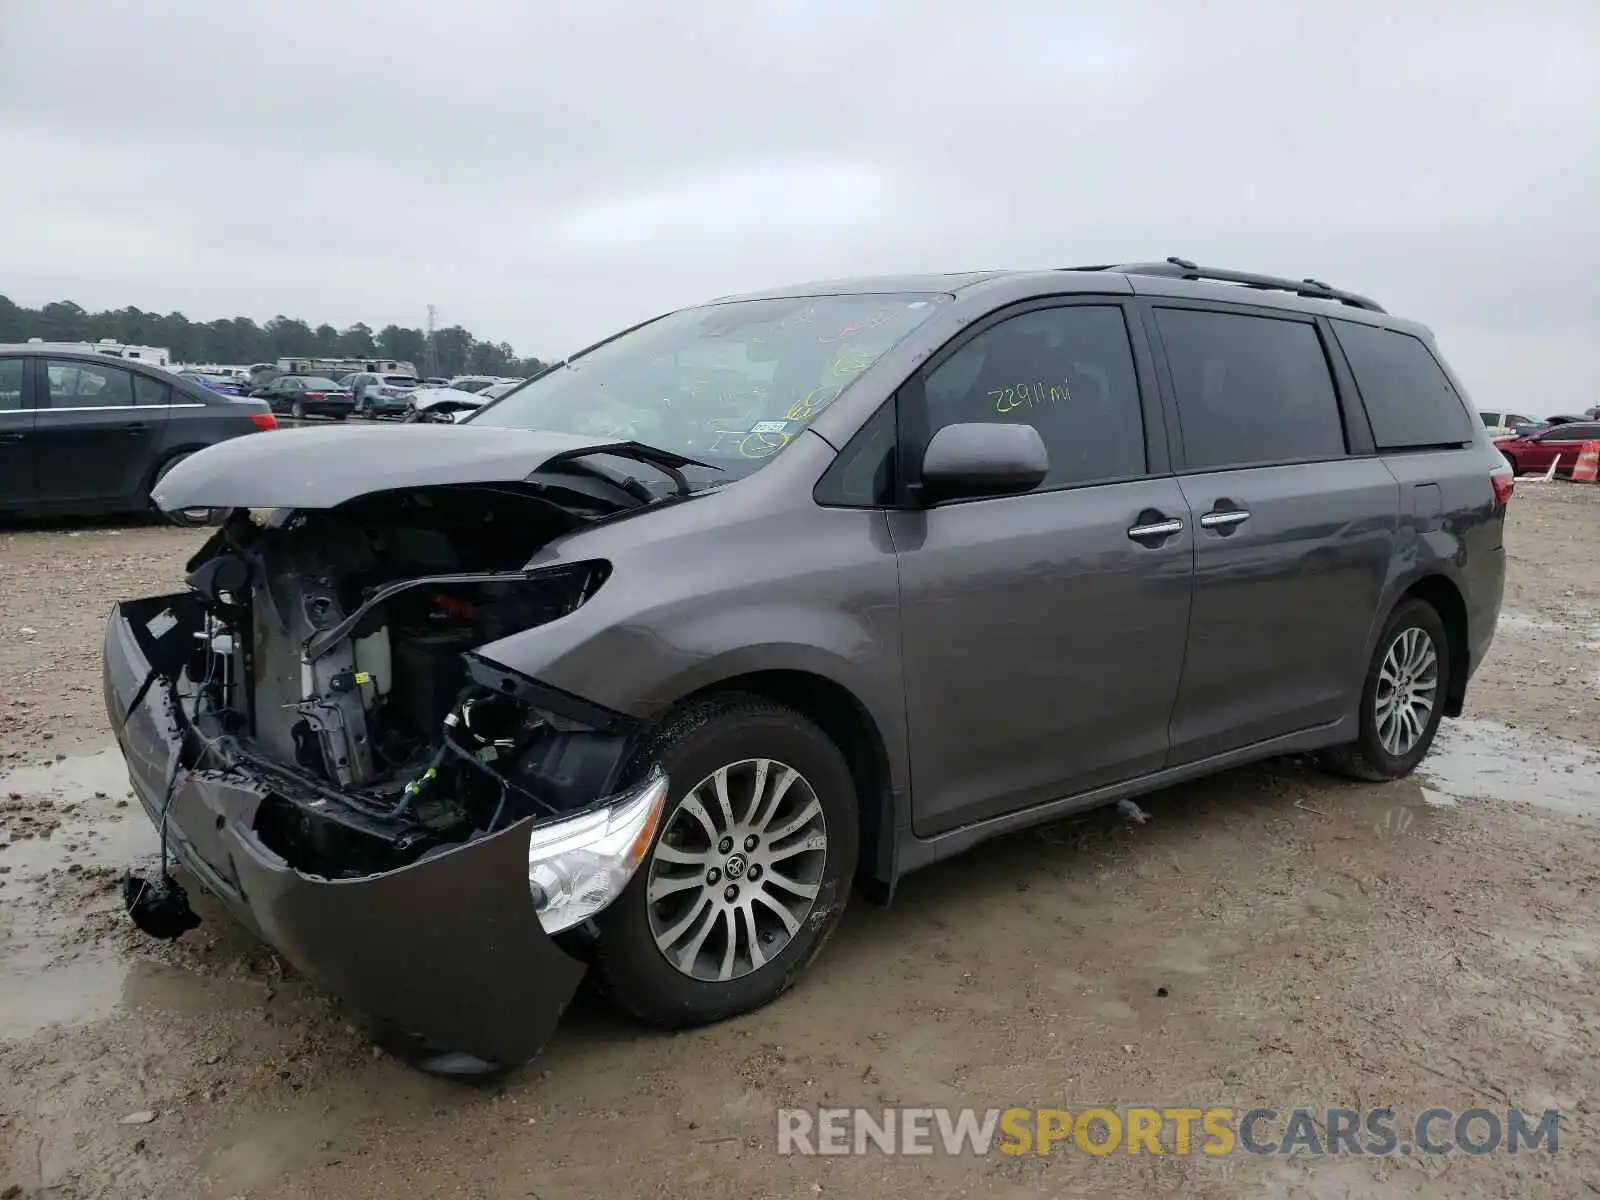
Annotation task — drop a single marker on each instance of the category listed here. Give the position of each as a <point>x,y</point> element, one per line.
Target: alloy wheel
<point>736,872</point>
<point>1408,686</point>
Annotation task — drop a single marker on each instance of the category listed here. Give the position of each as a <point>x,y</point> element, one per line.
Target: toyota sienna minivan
<point>638,670</point>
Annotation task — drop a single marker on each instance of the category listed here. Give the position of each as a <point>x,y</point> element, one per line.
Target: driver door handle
<point>1156,530</point>
<point>1224,520</point>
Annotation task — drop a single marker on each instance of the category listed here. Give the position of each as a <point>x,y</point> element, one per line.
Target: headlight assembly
<point>579,865</point>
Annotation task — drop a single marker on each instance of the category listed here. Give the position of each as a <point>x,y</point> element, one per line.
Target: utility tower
<point>431,356</point>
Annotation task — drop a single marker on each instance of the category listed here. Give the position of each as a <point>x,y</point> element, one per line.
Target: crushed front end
<point>424,832</point>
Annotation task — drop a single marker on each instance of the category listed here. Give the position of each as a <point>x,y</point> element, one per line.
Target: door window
<point>88,385</point>
<point>1251,390</point>
<point>1408,397</point>
<point>1066,371</point>
<point>10,384</point>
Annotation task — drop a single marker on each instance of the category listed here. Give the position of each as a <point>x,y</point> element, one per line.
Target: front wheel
<point>750,871</point>
<point>1402,701</point>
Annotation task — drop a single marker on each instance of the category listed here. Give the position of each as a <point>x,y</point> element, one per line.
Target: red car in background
<point>1537,450</point>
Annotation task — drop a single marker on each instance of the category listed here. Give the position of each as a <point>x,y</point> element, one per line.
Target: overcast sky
<point>546,173</point>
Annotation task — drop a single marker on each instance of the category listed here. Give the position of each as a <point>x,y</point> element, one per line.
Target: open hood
<point>322,468</point>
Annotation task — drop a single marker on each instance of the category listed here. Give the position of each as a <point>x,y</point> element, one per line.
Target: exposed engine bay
<point>337,658</point>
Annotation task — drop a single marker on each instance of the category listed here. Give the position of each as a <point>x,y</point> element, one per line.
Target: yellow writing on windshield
<point>812,402</point>
<point>763,444</point>
<point>853,360</point>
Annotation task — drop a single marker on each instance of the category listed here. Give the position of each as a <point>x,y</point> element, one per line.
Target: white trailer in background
<point>156,356</point>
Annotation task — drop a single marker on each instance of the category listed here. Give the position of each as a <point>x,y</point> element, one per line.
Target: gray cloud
<point>545,176</point>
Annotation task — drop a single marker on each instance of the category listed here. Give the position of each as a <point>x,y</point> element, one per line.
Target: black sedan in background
<point>83,435</point>
<point>303,396</point>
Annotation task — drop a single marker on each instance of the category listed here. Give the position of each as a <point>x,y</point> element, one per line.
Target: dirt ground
<point>1268,937</point>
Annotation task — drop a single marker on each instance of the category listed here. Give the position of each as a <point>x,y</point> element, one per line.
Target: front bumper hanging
<point>447,954</point>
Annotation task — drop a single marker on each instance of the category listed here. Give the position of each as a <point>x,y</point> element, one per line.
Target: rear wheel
<point>297,410</point>
<point>749,873</point>
<point>1402,701</point>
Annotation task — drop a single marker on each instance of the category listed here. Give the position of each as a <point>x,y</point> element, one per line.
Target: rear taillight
<point>315,395</point>
<point>264,420</point>
<point>1503,483</point>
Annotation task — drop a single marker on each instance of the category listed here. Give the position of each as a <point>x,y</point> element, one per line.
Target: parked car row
<point>370,394</point>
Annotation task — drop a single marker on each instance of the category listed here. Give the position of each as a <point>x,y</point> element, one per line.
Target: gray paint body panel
<point>747,578</point>
<point>1282,600</point>
<point>1042,645</point>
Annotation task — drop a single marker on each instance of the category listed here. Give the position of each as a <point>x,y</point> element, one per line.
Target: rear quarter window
<point>149,392</point>
<point>10,384</point>
<point>1409,399</point>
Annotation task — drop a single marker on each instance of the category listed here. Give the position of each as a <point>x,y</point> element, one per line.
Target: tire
<point>1512,463</point>
<point>733,732</point>
<point>297,410</point>
<point>1369,758</point>
<point>186,519</point>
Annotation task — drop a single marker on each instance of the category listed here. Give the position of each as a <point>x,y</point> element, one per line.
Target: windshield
<point>728,384</point>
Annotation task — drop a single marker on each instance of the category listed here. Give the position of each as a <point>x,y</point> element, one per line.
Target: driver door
<point>1043,633</point>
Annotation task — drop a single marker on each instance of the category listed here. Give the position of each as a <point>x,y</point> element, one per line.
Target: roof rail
<point>1182,268</point>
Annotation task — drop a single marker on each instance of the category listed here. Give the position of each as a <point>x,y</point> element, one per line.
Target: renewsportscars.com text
<point>1176,1131</point>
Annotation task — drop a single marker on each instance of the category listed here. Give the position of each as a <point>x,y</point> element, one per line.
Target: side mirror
<point>982,459</point>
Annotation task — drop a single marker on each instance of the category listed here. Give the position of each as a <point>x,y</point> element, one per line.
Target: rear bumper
<point>386,404</point>
<point>1488,585</point>
<point>448,951</point>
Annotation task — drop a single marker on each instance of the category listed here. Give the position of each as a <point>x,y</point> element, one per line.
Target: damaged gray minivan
<point>640,668</point>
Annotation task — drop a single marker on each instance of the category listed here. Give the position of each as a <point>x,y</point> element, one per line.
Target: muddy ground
<point>1266,937</point>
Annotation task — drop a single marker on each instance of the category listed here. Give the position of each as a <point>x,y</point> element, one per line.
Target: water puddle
<point>104,771</point>
<point>42,990</point>
<point>76,812</point>
<point>1485,759</point>
<point>67,832</point>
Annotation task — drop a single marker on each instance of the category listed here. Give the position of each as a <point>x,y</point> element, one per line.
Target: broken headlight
<point>579,865</point>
